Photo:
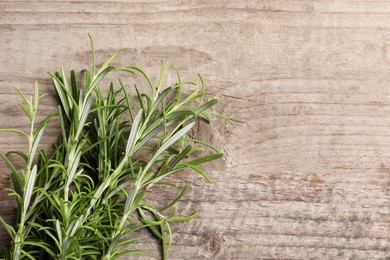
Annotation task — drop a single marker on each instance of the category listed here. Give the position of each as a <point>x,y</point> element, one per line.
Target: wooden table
<point>307,83</point>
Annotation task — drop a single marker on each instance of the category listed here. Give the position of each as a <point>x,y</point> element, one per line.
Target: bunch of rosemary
<point>87,199</point>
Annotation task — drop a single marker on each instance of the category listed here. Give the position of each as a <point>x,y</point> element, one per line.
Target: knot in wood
<point>212,242</point>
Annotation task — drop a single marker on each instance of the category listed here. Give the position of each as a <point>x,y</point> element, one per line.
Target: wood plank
<point>307,166</point>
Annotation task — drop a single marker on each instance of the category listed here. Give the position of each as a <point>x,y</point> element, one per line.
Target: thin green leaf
<point>25,110</point>
<point>19,153</point>
<point>133,133</point>
<point>36,96</point>
<point>16,181</point>
<point>62,95</point>
<point>181,115</point>
<point>127,98</point>
<point>179,197</point>
<point>10,230</point>
<point>108,61</point>
<point>29,188</point>
<point>151,227</point>
<point>162,72</point>
<point>37,139</point>
<point>28,254</point>
<point>160,99</point>
<point>171,141</point>
<point>14,131</point>
<point>101,74</point>
<point>74,86</point>
<point>41,245</point>
<point>93,54</point>
<point>84,115</point>
<point>205,159</point>
<point>28,103</point>
<point>148,137</point>
<point>145,76</point>
<point>206,106</point>
<point>132,252</point>
<point>14,175</point>
<point>180,157</point>
<point>183,219</point>
<point>202,172</point>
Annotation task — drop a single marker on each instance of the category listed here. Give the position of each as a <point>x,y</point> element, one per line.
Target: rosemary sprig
<point>89,198</point>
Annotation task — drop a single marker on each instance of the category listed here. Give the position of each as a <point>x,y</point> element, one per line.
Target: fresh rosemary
<point>87,200</point>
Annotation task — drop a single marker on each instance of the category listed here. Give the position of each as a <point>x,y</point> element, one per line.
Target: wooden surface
<point>307,166</point>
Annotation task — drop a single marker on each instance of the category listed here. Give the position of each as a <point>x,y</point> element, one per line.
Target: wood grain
<point>307,168</point>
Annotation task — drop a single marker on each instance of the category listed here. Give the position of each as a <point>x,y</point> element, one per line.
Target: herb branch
<point>88,198</point>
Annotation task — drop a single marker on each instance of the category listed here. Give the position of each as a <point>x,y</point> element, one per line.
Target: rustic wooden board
<point>307,166</point>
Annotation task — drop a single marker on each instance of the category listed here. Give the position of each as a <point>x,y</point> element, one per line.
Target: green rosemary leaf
<point>199,170</point>
<point>88,78</point>
<point>62,95</point>
<point>37,139</point>
<point>14,131</point>
<point>169,234</point>
<point>67,88</point>
<point>74,86</point>
<point>10,230</point>
<point>98,77</point>
<point>148,102</point>
<point>192,97</point>
<point>44,122</point>
<point>206,106</point>
<point>151,224</point>
<point>132,252</point>
<point>133,133</point>
<point>139,96</point>
<point>36,95</point>
<point>108,61</point>
<point>63,124</point>
<point>27,254</point>
<point>203,143</point>
<point>181,115</point>
<point>202,87</point>
<point>127,241</point>
<point>73,227</point>
<point>149,136</point>
<point>178,198</point>
<point>28,103</point>
<point>183,219</point>
<point>160,98</point>
<point>180,157</point>
<point>222,116</point>
<point>83,116</point>
<point>25,110</point>
<point>127,98</point>
<point>19,198</point>
<point>40,245</point>
<point>116,190</point>
<point>93,54</point>
<point>145,76</point>
<point>205,159</point>
<point>16,181</point>
<point>29,188</point>
<point>138,198</point>
<point>59,232</point>
<point>171,140</point>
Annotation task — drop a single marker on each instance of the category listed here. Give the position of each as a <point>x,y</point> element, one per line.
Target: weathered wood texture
<point>307,166</point>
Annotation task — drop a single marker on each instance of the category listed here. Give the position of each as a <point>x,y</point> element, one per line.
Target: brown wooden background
<point>307,166</point>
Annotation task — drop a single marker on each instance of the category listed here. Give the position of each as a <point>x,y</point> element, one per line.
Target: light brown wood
<point>307,166</point>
